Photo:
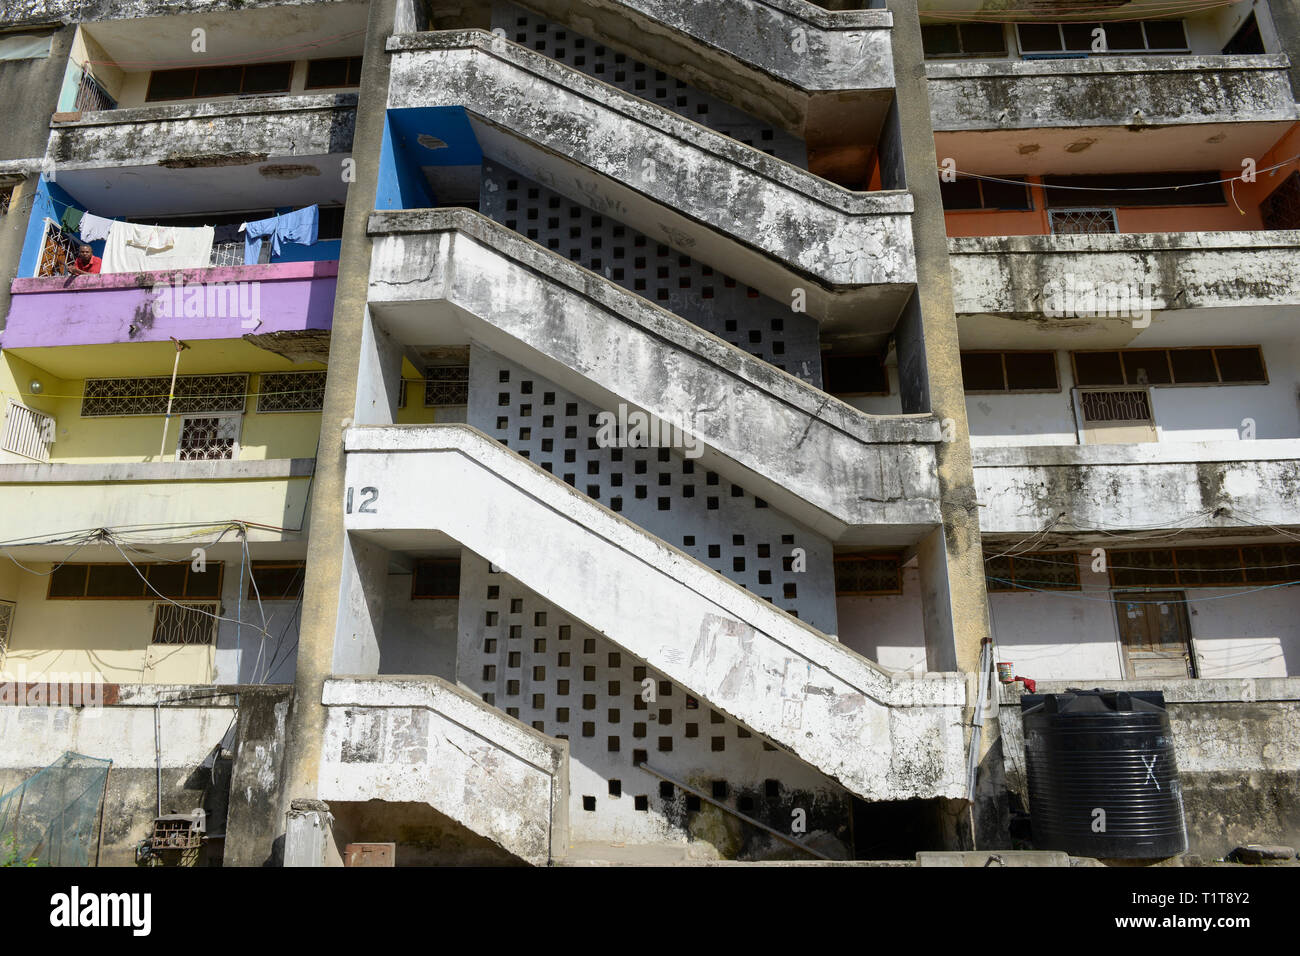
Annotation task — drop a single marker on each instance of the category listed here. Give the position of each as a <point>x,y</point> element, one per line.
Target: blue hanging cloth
<point>300,226</point>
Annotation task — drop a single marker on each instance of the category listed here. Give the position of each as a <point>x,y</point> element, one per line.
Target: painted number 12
<point>369,496</point>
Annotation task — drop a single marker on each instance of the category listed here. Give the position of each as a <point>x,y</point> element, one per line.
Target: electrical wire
<point>1114,189</point>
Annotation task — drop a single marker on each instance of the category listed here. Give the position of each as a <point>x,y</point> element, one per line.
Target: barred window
<point>6,626</point>
<point>124,582</point>
<point>857,574</point>
<point>185,623</point>
<point>1115,406</point>
<point>208,438</point>
<point>291,392</point>
<point>436,578</point>
<point>6,197</point>
<point>148,396</point>
<point>1207,567</point>
<point>1041,571</point>
<point>446,385</point>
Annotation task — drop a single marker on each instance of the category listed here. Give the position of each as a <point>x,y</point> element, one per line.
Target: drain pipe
<point>157,755</point>
<point>977,721</point>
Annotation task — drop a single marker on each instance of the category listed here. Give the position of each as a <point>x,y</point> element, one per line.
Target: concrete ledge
<point>271,272</point>
<point>150,471</point>
<point>1189,691</point>
<point>1145,453</point>
<point>243,106</point>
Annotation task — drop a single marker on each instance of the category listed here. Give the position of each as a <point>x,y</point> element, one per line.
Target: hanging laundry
<point>222,235</point>
<point>300,226</point>
<point>94,227</point>
<point>71,219</point>
<point>137,248</point>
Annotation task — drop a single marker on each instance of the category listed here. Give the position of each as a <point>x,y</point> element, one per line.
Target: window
<point>950,40</point>
<point>334,71</point>
<point>148,396</point>
<point>854,374</point>
<point>25,46</point>
<point>436,578</point>
<point>1228,365</point>
<point>985,194</point>
<point>1281,210</point>
<point>291,392</point>
<point>1082,222</point>
<point>248,79</point>
<point>1042,571</point>
<point>6,197</point>
<point>28,432</point>
<point>446,385</point>
<point>1206,567</point>
<point>276,580</point>
<point>6,626</point>
<point>185,624</point>
<point>1121,36</point>
<point>1009,372</point>
<point>862,574</point>
<point>1114,406</point>
<point>208,438</point>
<point>125,582</point>
<point>1137,189</point>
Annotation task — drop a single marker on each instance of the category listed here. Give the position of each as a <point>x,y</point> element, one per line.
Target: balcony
<point>1028,277</point>
<point>1095,115</point>
<point>1206,489</point>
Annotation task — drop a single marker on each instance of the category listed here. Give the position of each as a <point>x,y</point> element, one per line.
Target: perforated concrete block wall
<point>763,327</point>
<point>526,657</point>
<point>660,489</point>
<point>630,75</point>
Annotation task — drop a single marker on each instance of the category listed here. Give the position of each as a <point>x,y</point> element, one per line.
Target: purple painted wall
<point>224,303</point>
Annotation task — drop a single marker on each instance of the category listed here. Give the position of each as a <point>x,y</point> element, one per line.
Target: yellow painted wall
<point>137,438</point>
<point>105,638</point>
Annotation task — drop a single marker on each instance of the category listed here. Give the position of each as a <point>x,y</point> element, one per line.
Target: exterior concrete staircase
<point>423,740</point>
<point>452,275</point>
<point>882,736</point>
<point>777,226</point>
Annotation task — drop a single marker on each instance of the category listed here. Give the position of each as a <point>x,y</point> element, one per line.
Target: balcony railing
<point>58,249</point>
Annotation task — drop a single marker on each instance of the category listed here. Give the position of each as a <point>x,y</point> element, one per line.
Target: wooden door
<point>1155,635</point>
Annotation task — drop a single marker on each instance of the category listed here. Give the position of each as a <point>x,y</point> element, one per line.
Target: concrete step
<point>883,736</point>
<point>447,275</point>
<point>424,740</point>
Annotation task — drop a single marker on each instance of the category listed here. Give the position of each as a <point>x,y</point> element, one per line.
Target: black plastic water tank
<point>1103,781</point>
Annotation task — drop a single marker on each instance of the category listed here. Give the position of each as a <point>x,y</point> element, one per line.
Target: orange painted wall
<point>1224,218</point>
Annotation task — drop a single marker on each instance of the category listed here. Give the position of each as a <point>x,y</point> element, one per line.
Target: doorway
<point>1155,634</point>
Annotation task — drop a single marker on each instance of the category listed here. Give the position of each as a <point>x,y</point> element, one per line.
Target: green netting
<point>50,819</point>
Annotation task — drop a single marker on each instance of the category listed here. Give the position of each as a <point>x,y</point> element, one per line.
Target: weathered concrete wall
<point>882,736</point>
<point>833,237</point>
<point>1184,485</point>
<point>426,741</point>
<point>72,11</point>
<point>253,814</point>
<point>211,134</point>
<point>29,89</point>
<point>1019,276</point>
<point>453,269</point>
<point>1114,91</point>
<point>1237,743</point>
<point>192,722</point>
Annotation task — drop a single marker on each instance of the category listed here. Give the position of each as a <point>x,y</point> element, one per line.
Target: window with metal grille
<point>276,580</point>
<point>983,371</point>
<point>185,624</point>
<point>57,250</point>
<point>446,385</point>
<point>1281,210</point>
<point>148,396</point>
<point>6,197</point>
<point>436,578</point>
<point>1205,567</point>
<point>1082,222</point>
<point>92,97</point>
<point>28,432</point>
<point>1229,365</point>
<point>291,392</point>
<point>1042,571</point>
<point>857,574</point>
<point>108,582</point>
<point>208,438</point>
<point>6,626</point>
<point>1115,406</point>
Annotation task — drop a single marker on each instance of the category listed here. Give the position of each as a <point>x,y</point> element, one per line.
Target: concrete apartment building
<point>674,399</point>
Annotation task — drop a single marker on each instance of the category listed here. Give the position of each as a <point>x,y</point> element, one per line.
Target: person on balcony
<point>85,264</point>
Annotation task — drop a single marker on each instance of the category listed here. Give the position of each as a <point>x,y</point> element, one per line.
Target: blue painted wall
<point>414,138</point>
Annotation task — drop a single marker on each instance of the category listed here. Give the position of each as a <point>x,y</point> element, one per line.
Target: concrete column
<point>379,375</point>
<point>362,594</point>
<point>1286,21</point>
<point>309,835</point>
<point>328,543</point>
<point>955,602</point>
<point>955,605</point>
